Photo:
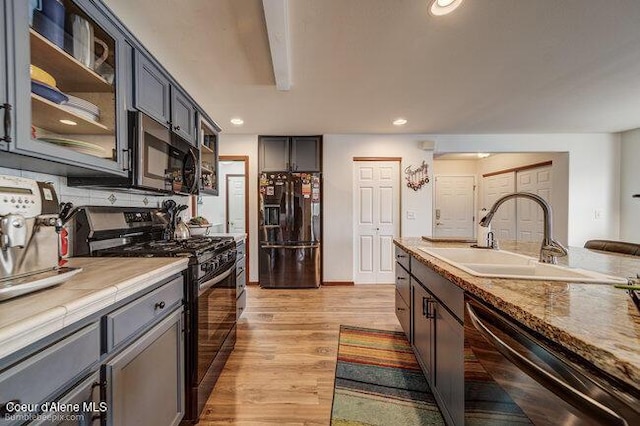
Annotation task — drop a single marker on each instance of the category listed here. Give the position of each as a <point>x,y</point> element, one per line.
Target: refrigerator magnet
<point>270,190</point>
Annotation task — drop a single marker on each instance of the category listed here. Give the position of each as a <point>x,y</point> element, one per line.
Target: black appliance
<point>290,230</point>
<point>210,287</point>
<point>161,161</point>
<point>549,384</point>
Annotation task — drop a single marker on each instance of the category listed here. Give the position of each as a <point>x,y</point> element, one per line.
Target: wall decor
<point>418,177</point>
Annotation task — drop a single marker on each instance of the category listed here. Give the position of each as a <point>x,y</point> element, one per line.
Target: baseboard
<point>256,283</point>
<point>337,283</point>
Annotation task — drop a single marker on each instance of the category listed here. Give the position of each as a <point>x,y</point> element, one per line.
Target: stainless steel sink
<point>505,264</point>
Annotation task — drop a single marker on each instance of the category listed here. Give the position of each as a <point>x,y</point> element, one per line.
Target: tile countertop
<point>102,282</point>
<point>596,321</point>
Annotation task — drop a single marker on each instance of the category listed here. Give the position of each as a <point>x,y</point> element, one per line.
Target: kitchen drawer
<point>403,258</point>
<point>404,315</point>
<point>241,283</point>
<point>240,266</point>
<point>126,321</point>
<point>41,376</point>
<point>88,391</point>
<point>403,285</point>
<point>241,249</point>
<point>449,294</point>
<point>241,304</point>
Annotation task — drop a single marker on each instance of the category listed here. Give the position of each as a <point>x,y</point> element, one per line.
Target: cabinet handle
<point>400,278</point>
<point>401,256</point>
<point>7,122</point>
<point>401,309</point>
<point>160,305</point>
<point>427,307</point>
<point>126,163</point>
<point>176,128</point>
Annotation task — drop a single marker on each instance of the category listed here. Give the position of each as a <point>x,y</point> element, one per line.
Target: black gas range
<point>210,287</point>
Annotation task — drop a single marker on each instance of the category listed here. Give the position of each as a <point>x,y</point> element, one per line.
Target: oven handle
<point>552,383</point>
<point>204,286</point>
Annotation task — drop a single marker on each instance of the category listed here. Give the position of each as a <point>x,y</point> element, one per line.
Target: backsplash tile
<point>98,197</point>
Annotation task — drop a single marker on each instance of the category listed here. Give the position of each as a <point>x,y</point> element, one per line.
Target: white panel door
<point>454,206</point>
<point>503,224</point>
<point>530,223</point>
<point>235,203</point>
<point>376,219</point>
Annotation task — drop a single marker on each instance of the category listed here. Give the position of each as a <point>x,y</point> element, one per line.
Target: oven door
<point>216,319</point>
<point>547,386</point>
<point>164,161</point>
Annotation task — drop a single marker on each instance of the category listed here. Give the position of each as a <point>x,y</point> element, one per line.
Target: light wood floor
<point>282,369</point>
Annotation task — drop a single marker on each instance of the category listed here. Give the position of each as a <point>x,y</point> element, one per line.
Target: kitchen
<point>563,103</point>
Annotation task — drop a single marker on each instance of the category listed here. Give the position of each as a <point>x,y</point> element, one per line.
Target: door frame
<point>226,201</point>
<point>476,191</point>
<point>399,212</point>
<point>247,246</point>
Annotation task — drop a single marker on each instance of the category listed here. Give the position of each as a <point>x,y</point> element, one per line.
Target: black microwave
<point>161,161</point>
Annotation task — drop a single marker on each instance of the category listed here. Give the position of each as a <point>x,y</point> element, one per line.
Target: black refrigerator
<point>289,221</point>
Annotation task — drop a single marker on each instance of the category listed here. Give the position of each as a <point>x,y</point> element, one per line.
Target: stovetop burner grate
<point>193,246</point>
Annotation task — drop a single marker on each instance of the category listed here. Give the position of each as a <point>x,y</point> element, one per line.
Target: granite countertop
<point>237,236</point>
<point>102,282</point>
<point>596,321</point>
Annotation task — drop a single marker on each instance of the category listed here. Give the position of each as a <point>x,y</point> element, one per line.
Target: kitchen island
<point>596,322</point>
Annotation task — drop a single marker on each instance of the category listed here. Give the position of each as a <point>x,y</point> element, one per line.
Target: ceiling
<point>493,66</point>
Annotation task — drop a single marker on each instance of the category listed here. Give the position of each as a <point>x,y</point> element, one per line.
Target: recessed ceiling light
<point>483,155</point>
<point>399,121</point>
<point>237,121</point>
<point>69,122</point>
<point>443,7</point>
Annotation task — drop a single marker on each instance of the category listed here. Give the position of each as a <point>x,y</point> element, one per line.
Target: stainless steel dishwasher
<point>552,387</point>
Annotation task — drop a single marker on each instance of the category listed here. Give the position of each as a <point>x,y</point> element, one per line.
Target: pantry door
<point>454,206</point>
<point>376,207</point>
<point>503,224</point>
<point>530,223</point>
<point>236,203</point>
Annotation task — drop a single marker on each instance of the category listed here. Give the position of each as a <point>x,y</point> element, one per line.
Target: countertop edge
<point>19,335</point>
<point>599,357</point>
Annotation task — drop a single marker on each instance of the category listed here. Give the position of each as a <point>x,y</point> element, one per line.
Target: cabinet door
<point>449,366</point>
<point>145,383</point>
<point>183,116</point>
<point>152,90</point>
<point>273,153</point>
<point>423,329</point>
<point>306,153</point>
<point>3,76</point>
<point>73,111</point>
<point>403,313</point>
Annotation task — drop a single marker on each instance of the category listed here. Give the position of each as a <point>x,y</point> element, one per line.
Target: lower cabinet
<point>145,382</point>
<point>438,338</point>
<point>124,367</point>
<point>241,280</point>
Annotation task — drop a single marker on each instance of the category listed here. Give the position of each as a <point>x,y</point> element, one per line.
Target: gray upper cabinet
<point>273,153</point>
<point>4,101</point>
<point>152,90</point>
<point>183,116</point>
<point>306,153</point>
<point>290,153</point>
<point>67,104</point>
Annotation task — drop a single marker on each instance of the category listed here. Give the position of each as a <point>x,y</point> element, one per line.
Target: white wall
<point>455,167</point>
<point>214,208</point>
<point>247,145</point>
<point>629,185</point>
<point>338,153</point>
<point>594,182</point>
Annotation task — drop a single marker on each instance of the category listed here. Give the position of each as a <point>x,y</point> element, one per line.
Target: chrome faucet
<point>550,249</point>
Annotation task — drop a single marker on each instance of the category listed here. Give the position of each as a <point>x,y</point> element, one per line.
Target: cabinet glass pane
<point>73,98</point>
<point>209,159</point>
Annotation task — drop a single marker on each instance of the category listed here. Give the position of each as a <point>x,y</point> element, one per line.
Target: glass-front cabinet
<point>208,158</point>
<point>70,84</point>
